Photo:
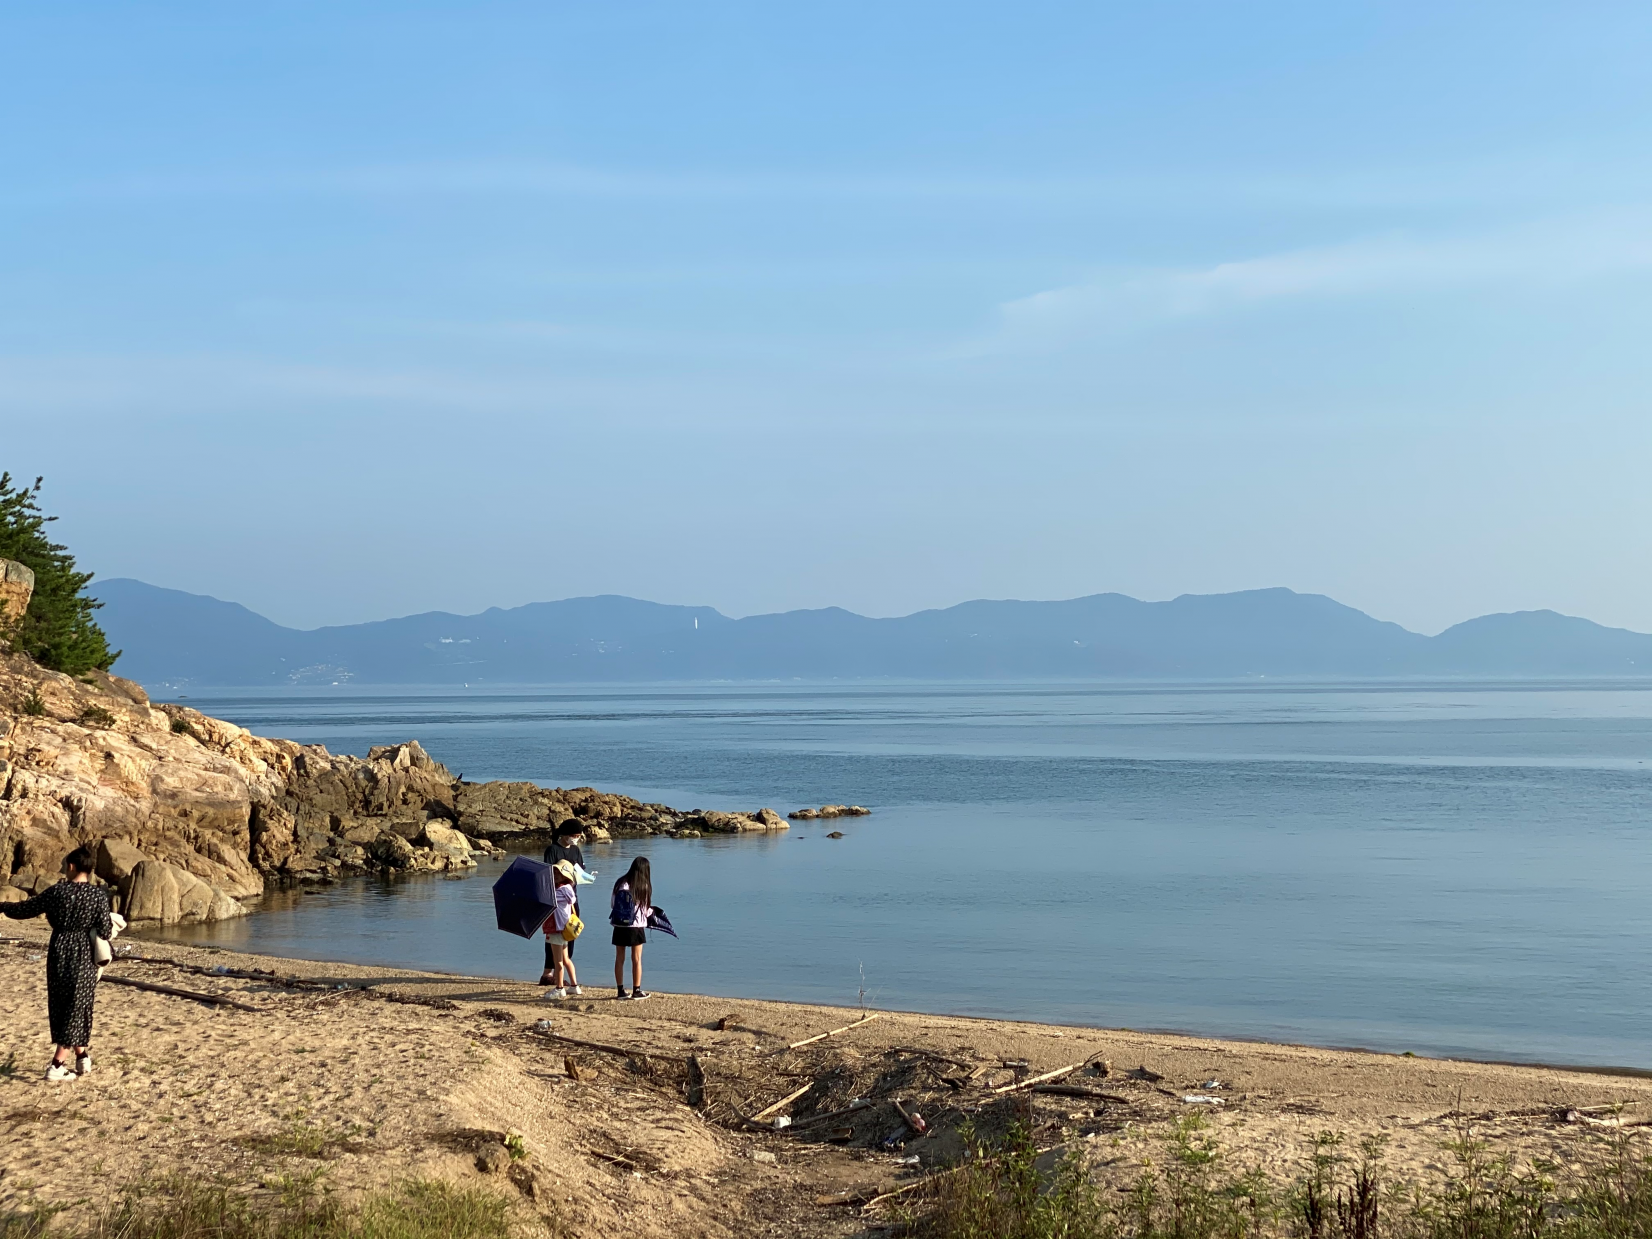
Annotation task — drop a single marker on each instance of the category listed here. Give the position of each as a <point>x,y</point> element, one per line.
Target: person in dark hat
<point>565,839</point>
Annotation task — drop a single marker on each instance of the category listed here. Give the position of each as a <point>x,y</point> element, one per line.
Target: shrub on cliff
<point>58,630</point>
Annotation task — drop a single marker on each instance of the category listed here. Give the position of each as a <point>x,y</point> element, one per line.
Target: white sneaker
<point>83,1065</point>
<point>554,993</point>
<point>574,991</point>
<point>58,1072</point>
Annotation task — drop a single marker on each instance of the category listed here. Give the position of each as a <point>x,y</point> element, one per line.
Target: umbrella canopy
<point>657,920</point>
<point>523,897</point>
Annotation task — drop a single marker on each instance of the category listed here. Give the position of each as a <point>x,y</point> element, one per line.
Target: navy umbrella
<point>657,920</point>
<point>524,896</point>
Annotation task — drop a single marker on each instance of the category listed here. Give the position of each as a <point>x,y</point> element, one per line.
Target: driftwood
<point>1030,1081</point>
<point>834,1032</point>
<point>696,1092</point>
<point>834,1114</point>
<point>216,1000</point>
<point>1078,1090</point>
<point>594,1045</point>
<point>786,1100</point>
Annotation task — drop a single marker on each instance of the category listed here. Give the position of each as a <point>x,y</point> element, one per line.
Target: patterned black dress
<point>78,913</point>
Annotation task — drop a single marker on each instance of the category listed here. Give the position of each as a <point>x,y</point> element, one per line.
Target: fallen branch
<point>1030,1081</point>
<point>834,1114</point>
<point>834,1032</point>
<point>786,1100</point>
<point>592,1045</point>
<point>216,1000</point>
<point>1078,1090</point>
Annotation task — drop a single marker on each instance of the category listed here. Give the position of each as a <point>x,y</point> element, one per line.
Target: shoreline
<point>150,934</point>
<point>371,1075</point>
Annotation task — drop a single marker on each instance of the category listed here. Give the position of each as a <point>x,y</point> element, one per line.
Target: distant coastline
<point>183,641</point>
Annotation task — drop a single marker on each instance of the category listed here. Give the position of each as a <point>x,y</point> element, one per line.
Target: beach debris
<point>1030,1081</point>
<point>1101,1067</point>
<point>1142,1073</point>
<point>849,1196</point>
<point>763,1157</point>
<point>1078,1090</point>
<point>724,1022</point>
<point>782,1122</point>
<point>599,1046</point>
<point>911,1159</point>
<point>1202,1099</point>
<point>570,1068</point>
<point>784,1101</point>
<point>894,1140</point>
<point>215,1000</point>
<point>856,1104</point>
<point>1211,1085</point>
<point>838,1135</point>
<point>695,1088</point>
<point>913,1119</point>
<point>542,1025</point>
<point>833,1032</point>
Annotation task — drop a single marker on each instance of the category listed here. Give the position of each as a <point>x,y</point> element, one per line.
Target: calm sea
<point>1460,870</point>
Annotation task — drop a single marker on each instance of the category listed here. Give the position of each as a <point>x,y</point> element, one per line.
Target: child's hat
<point>566,869</point>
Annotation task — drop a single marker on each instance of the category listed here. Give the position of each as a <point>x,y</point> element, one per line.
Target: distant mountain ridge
<point>172,638</point>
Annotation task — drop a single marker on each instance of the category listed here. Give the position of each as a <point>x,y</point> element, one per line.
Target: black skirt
<point>626,935</point>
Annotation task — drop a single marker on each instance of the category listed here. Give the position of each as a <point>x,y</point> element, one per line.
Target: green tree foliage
<point>58,630</point>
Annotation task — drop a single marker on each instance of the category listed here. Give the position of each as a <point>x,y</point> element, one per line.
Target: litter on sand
<point>1202,1099</point>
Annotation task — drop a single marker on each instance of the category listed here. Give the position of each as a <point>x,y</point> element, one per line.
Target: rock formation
<point>191,816</point>
<point>829,810</point>
<point>16,588</point>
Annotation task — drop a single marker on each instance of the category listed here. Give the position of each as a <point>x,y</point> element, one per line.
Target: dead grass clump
<point>1006,1190</point>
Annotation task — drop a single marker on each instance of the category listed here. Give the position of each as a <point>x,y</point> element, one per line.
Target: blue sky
<point>349,310</point>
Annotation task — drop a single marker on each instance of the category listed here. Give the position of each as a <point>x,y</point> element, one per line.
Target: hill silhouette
<point>181,639</point>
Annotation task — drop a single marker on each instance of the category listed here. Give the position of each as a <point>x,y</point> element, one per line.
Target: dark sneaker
<point>638,993</point>
<point>623,996</point>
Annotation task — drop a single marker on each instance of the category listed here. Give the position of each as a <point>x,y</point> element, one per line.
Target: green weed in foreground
<point>182,1209</point>
<point>1000,1193</point>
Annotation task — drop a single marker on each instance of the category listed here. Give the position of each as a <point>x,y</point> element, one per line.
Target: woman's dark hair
<point>81,860</point>
<point>642,889</point>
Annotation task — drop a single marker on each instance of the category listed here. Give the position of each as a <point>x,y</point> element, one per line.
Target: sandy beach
<point>367,1076</point>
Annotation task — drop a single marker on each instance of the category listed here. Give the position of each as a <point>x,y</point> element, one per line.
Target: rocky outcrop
<point>191,815</point>
<point>16,588</point>
<point>502,811</point>
<point>828,811</point>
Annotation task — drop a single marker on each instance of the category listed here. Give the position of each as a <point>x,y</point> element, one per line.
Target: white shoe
<point>58,1072</point>
<point>83,1065</point>
<point>574,991</point>
<point>554,993</point>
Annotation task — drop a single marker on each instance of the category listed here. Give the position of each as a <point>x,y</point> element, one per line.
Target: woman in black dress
<point>78,913</point>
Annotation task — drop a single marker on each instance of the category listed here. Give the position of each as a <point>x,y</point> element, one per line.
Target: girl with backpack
<point>628,914</point>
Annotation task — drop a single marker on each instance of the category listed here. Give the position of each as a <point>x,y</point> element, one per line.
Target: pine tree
<point>57,630</point>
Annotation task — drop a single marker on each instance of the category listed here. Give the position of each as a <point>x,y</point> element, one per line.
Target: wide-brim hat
<point>566,869</point>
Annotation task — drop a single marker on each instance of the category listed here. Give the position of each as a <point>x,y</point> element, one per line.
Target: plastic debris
<point>1202,1099</point>
<point>783,1122</point>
